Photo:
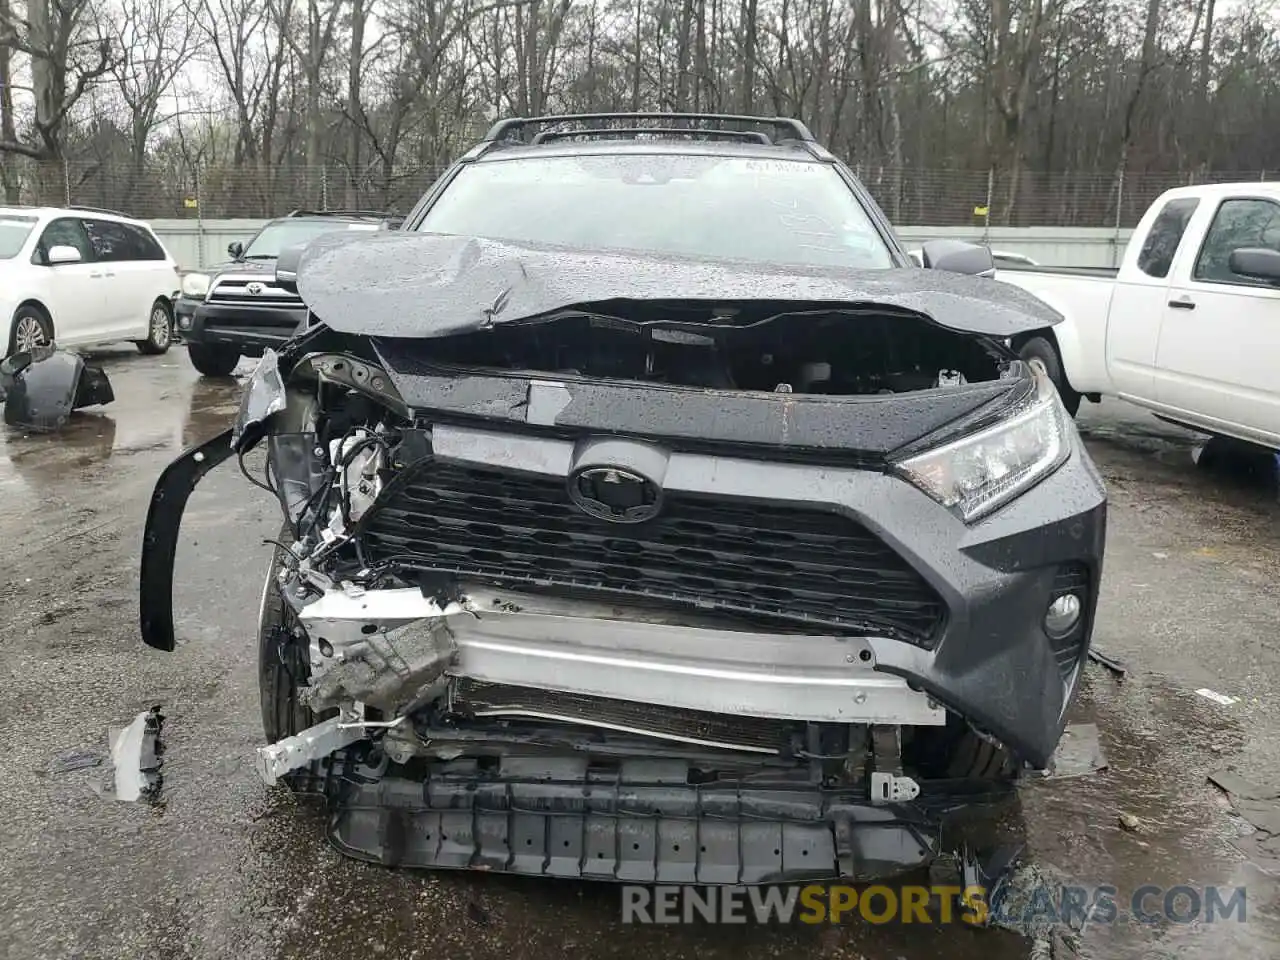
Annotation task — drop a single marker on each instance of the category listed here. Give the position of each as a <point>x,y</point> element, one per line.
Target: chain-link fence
<point>181,191</point>
<point>909,196</point>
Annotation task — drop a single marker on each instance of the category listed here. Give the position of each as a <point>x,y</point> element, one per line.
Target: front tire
<point>283,658</point>
<point>213,361</point>
<point>31,328</point>
<point>1046,353</point>
<point>159,330</point>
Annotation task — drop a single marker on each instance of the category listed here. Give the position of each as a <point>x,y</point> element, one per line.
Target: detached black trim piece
<point>160,539</point>
<point>631,832</point>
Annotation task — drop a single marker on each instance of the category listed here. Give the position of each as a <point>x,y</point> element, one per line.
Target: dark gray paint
<point>432,285</point>
<point>871,425</point>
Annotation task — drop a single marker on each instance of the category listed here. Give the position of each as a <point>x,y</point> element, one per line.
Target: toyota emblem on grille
<point>614,494</point>
<point>254,288</point>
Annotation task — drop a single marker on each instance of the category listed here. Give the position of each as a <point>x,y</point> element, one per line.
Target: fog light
<point>1062,617</point>
<point>184,323</point>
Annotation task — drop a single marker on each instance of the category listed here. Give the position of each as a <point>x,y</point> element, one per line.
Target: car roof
<point>1265,188</point>
<point>92,213</point>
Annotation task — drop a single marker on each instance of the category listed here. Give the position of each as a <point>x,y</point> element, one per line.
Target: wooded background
<point>1072,112</point>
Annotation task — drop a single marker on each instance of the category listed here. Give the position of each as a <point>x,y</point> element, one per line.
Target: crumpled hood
<point>421,285</point>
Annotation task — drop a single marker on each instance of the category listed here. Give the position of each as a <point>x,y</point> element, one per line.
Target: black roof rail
<point>602,133</point>
<point>371,214</point>
<point>86,209</point>
<point>520,128</point>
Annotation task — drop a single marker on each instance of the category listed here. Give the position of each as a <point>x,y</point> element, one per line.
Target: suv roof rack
<point>86,209</point>
<point>370,214</point>
<point>712,125</point>
<point>605,133</point>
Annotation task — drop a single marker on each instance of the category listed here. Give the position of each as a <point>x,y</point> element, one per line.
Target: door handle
<point>1182,304</point>
<point>108,274</point>
<point>95,276</point>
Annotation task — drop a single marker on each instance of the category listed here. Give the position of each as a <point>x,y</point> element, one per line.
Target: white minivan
<point>80,276</point>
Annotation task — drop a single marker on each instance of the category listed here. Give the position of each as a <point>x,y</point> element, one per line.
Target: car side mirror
<point>287,268</point>
<point>957,256</point>
<point>236,249</point>
<point>64,254</point>
<point>1257,263</point>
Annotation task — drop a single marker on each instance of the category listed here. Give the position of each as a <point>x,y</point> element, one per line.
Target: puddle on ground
<point>1150,819</point>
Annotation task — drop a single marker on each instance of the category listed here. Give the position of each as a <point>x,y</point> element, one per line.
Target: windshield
<point>275,237</point>
<point>736,208</point>
<point>13,234</point>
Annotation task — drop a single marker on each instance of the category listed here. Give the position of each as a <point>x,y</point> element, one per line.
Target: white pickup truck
<point>1188,326</point>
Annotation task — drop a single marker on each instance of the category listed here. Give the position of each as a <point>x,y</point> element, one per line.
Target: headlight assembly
<point>195,285</point>
<point>976,474</point>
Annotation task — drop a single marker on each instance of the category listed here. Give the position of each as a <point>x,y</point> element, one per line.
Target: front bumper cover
<point>249,330</point>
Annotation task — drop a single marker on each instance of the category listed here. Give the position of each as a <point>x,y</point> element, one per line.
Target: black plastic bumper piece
<point>160,537</point>
<point>631,833</point>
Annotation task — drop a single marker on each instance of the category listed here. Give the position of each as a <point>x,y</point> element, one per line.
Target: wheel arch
<point>40,305</point>
<point>1049,334</point>
<point>9,331</point>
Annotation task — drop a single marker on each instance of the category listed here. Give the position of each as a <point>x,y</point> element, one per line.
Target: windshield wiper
<point>258,256</point>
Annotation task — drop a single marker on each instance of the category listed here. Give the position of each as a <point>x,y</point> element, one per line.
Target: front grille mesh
<point>235,292</point>
<point>792,569</point>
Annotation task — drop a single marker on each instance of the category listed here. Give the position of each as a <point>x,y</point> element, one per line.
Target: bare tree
<point>156,42</point>
<point>68,52</point>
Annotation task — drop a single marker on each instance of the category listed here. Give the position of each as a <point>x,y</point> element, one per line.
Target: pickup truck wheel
<point>213,361</point>
<point>283,659</point>
<point>159,330</point>
<point>1044,351</point>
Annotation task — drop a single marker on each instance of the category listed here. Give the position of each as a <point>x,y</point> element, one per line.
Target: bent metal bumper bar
<point>582,648</point>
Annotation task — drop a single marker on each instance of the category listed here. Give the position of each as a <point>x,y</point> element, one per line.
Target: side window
<point>1156,256</point>
<point>145,243</point>
<point>66,232</point>
<point>1238,223</point>
<point>112,242</point>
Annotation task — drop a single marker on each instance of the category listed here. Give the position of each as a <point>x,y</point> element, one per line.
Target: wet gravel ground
<point>226,867</point>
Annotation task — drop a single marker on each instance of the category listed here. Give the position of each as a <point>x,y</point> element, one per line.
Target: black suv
<point>647,514</point>
<point>237,309</point>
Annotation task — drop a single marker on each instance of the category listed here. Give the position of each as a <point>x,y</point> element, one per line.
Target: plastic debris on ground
<point>1219,698</point>
<point>1259,806</point>
<point>1117,669</point>
<point>136,758</point>
<point>1079,753</point>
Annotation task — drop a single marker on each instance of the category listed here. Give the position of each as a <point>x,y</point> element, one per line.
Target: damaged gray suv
<point>649,515</point>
